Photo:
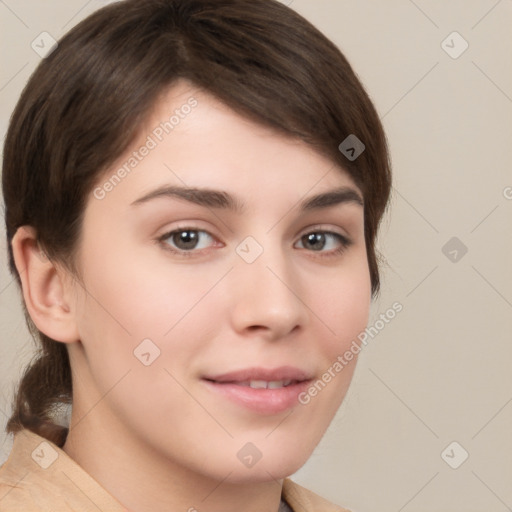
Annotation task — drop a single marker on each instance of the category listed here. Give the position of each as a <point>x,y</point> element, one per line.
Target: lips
<point>265,391</point>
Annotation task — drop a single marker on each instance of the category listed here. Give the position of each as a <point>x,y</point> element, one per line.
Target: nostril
<point>256,327</point>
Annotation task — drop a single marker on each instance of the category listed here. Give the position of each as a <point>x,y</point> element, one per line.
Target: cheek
<point>134,314</point>
<point>343,304</point>
<point>165,310</point>
<point>139,289</point>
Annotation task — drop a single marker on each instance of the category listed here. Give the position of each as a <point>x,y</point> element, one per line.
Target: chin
<point>268,461</point>
<point>265,473</point>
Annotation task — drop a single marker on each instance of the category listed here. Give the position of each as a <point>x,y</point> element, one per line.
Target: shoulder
<point>39,476</point>
<point>25,485</point>
<point>301,499</point>
<point>16,499</point>
<point>17,490</point>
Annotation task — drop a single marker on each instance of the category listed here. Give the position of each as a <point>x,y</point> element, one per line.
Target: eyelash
<point>344,242</point>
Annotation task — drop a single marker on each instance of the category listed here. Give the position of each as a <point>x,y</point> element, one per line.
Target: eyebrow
<point>338,196</point>
<point>220,199</point>
<point>201,196</point>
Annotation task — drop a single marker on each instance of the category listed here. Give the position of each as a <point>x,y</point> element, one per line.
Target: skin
<point>155,436</point>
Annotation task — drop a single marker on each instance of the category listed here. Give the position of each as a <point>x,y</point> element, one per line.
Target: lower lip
<point>263,401</point>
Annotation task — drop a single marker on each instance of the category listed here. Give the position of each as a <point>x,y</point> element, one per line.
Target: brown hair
<point>83,105</point>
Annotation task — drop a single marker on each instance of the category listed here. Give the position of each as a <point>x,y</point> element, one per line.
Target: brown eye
<point>323,241</point>
<point>314,241</point>
<point>188,239</point>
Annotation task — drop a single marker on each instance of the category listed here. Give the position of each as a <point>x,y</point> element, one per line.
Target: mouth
<point>263,384</point>
<point>264,391</point>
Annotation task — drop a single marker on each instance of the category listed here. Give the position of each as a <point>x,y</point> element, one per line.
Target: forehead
<point>192,139</point>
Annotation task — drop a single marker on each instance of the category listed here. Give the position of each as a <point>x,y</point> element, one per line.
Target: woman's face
<point>224,270</point>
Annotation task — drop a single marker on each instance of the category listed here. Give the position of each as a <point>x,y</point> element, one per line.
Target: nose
<point>267,300</point>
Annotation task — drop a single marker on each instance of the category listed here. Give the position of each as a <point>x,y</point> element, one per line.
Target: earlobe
<point>44,288</point>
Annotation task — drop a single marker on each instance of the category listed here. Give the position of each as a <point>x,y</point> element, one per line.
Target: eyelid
<point>184,226</point>
<point>325,228</point>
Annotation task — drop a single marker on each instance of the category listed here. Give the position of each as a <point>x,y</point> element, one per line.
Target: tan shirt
<point>39,476</point>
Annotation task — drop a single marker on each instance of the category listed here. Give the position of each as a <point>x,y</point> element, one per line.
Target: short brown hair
<point>85,102</point>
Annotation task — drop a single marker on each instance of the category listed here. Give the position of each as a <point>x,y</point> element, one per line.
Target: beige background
<point>440,371</point>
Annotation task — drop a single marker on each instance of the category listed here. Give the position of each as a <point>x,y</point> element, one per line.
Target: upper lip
<point>263,374</point>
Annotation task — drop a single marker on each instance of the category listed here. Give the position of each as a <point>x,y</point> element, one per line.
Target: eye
<point>187,239</point>
<point>324,241</point>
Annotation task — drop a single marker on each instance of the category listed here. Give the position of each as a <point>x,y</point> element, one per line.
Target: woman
<point>192,192</point>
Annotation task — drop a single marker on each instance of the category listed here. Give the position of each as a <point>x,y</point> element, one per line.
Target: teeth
<point>263,384</point>
<point>275,384</point>
<point>258,384</point>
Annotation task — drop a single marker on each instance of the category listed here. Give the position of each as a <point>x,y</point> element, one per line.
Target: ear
<point>45,290</point>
